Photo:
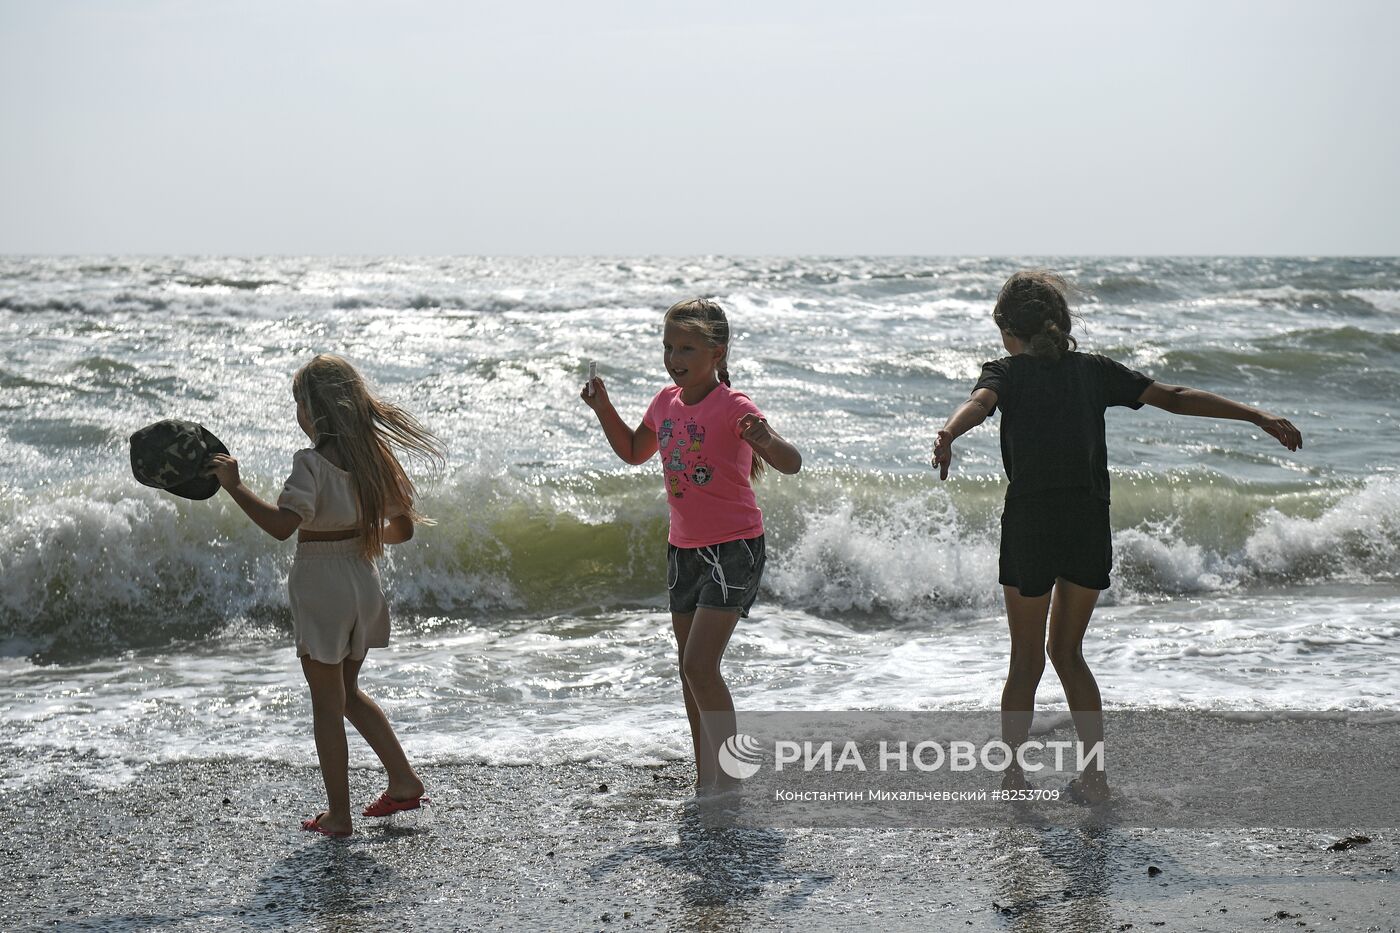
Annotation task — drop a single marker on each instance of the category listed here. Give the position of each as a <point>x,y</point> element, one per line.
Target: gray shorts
<point>720,576</point>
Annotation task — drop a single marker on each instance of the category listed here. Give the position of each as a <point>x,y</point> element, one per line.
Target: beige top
<point>323,494</point>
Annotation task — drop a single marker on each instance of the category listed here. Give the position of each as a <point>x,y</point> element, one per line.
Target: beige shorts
<point>338,609</point>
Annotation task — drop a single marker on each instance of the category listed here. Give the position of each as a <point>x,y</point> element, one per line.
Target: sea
<point>530,622</point>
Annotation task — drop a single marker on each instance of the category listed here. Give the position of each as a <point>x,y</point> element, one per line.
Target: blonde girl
<point>713,441</point>
<point>346,498</point>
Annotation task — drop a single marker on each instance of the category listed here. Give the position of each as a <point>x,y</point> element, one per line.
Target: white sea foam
<point>910,555</point>
<point>1383,299</point>
<point>605,688</point>
<point>96,567</point>
<point>1356,538</point>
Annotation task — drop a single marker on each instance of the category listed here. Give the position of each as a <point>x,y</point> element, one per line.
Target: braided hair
<point>706,317</point>
<point>1033,306</point>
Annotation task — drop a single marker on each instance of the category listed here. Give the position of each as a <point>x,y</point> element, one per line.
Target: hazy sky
<point>654,127</point>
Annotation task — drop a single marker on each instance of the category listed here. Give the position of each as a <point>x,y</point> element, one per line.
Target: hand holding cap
<point>173,455</point>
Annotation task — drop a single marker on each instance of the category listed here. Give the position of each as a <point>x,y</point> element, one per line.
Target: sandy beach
<point>215,845</point>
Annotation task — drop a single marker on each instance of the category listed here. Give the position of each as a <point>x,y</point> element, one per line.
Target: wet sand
<point>216,845</point>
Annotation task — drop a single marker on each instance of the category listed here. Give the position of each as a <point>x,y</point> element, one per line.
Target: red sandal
<point>387,805</point>
<point>313,825</point>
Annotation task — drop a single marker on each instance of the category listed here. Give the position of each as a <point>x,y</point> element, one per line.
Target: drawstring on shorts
<point>708,555</point>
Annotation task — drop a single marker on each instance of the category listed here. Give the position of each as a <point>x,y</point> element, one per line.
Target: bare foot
<point>719,788</point>
<point>325,823</point>
<point>1014,779</point>
<point>1089,788</point>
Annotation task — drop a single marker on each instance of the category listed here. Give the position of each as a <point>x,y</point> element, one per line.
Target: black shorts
<point>1060,534</point>
<point>721,576</point>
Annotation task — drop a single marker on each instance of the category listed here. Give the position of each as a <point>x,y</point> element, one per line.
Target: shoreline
<point>216,844</point>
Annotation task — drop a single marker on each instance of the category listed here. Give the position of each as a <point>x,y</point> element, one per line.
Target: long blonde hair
<point>706,318</point>
<point>364,431</point>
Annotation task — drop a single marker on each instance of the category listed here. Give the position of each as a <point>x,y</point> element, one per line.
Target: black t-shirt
<point>1052,431</point>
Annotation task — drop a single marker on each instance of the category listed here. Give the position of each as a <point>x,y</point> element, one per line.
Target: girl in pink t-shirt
<point>713,441</point>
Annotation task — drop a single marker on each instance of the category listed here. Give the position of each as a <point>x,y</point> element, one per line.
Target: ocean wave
<point>1309,352</point>
<point>40,305</point>
<point>1313,300</point>
<point>107,566</point>
<point>224,282</point>
<point>487,304</point>
<point>11,380</point>
<point>1382,299</point>
<point>1126,289</point>
<point>1346,339</point>
<point>1357,538</point>
<point>88,305</point>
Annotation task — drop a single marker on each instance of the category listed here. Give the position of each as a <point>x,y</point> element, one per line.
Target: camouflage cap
<point>171,455</point>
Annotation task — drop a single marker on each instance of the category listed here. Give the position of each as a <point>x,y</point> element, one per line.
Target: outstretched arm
<point>1182,400</point>
<point>769,444</point>
<point>633,446</point>
<point>280,523</point>
<point>969,415</point>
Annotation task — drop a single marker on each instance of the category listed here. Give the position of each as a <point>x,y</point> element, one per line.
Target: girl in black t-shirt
<point>1056,550</point>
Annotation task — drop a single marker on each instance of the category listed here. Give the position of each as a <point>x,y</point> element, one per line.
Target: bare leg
<point>704,647</point>
<point>1069,618</point>
<point>680,624</point>
<point>1025,616</point>
<point>328,722</point>
<point>369,720</point>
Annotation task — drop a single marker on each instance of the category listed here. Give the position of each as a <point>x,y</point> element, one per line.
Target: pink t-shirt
<point>706,466</point>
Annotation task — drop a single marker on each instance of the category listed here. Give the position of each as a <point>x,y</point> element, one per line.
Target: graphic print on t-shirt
<point>696,435</point>
<point>701,473</point>
<point>684,465</point>
<point>705,466</point>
